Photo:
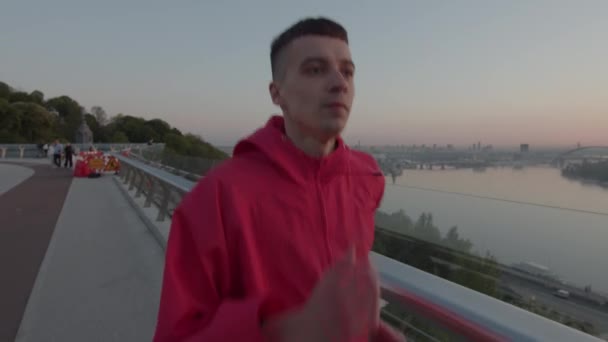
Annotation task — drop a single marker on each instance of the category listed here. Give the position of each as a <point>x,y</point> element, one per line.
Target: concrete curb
<point>147,220</point>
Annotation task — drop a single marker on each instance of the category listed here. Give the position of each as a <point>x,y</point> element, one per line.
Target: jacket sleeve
<point>195,304</point>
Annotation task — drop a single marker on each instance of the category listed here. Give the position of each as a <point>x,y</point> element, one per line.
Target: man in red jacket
<point>273,244</point>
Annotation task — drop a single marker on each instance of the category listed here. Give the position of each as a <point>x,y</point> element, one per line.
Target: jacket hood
<point>272,142</point>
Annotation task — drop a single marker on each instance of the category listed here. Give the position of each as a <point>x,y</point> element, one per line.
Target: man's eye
<point>348,73</point>
<point>314,70</point>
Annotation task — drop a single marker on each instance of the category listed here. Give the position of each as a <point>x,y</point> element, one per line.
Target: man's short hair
<point>306,27</point>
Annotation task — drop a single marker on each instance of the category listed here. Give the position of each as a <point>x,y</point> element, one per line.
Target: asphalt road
<point>598,318</point>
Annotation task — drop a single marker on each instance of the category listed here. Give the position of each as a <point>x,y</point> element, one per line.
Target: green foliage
<point>69,115</point>
<point>5,90</point>
<point>421,245</point>
<point>119,137</point>
<point>19,96</point>
<point>160,127</point>
<point>99,131</point>
<point>10,117</point>
<point>37,97</point>
<point>100,115</point>
<point>36,122</point>
<point>28,118</point>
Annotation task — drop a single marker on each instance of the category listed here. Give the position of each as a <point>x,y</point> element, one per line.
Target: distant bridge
<point>562,155</point>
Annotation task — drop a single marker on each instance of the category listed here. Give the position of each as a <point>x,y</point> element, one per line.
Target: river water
<point>532,214</point>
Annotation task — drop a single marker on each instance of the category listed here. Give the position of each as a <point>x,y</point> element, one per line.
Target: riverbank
<point>588,171</point>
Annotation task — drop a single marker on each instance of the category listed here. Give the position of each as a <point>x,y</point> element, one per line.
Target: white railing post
<point>150,196</point>
<point>3,152</point>
<point>164,204</point>
<point>21,150</point>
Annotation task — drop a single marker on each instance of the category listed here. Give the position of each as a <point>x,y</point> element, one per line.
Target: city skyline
<point>427,73</point>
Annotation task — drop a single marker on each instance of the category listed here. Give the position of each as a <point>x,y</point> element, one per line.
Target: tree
<point>10,118</point>
<point>5,90</point>
<point>10,123</point>
<point>160,127</point>
<point>70,115</point>
<point>99,133</point>
<point>453,240</point>
<point>37,96</point>
<point>19,96</point>
<point>176,143</point>
<point>100,115</point>
<point>36,122</point>
<point>420,244</point>
<point>119,137</point>
<point>425,229</point>
<point>28,118</point>
<point>132,126</point>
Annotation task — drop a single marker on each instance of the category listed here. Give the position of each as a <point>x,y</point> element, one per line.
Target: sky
<point>428,72</point>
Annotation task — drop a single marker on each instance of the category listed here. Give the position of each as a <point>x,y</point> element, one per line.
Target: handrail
<point>467,313</point>
<point>185,174</point>
<point>159,186</point>
<point>459,311</point>
<point>180,183</point>
<point>545,282</point>
<point>22,151</point>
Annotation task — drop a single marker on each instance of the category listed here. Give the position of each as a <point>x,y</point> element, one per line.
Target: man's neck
<point>311,145</point>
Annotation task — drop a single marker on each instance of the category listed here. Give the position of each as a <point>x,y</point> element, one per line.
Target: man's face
<point>314,85</point>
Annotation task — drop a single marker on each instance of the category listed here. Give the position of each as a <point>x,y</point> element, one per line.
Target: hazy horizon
<point>427,72</point>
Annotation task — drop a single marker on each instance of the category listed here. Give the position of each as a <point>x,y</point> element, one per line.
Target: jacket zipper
<point>324,217</point>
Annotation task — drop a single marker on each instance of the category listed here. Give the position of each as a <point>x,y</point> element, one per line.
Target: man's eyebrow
<point>314,60</point>
<point>346,61</point>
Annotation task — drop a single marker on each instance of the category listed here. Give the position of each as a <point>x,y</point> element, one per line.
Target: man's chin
<point>334,128</point>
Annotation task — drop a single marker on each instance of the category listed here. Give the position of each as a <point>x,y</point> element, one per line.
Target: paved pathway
<point>100,277</point>
<point>11,175</point>
<point>28,213</point>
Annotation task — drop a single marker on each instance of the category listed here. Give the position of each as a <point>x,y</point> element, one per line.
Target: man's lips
<point>337,105</point>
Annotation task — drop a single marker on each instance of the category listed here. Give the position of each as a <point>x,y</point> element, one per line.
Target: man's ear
<point>273,89</point>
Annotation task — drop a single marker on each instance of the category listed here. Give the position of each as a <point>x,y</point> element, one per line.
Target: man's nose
<point>337,82</point>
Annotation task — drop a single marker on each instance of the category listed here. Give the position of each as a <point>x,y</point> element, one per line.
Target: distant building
<point>524,148</point>
<point>450,147</point>
<point>379,156</point>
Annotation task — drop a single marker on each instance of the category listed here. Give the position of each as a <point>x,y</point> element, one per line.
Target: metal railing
<point>163,189</point>
<point>424,302</point>
<point>462,313</point>
<point>189,166</point>
<point>170,169</point>
<point>21,151</point>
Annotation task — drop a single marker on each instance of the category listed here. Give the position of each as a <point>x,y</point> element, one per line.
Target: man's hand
<point>342,307</point>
